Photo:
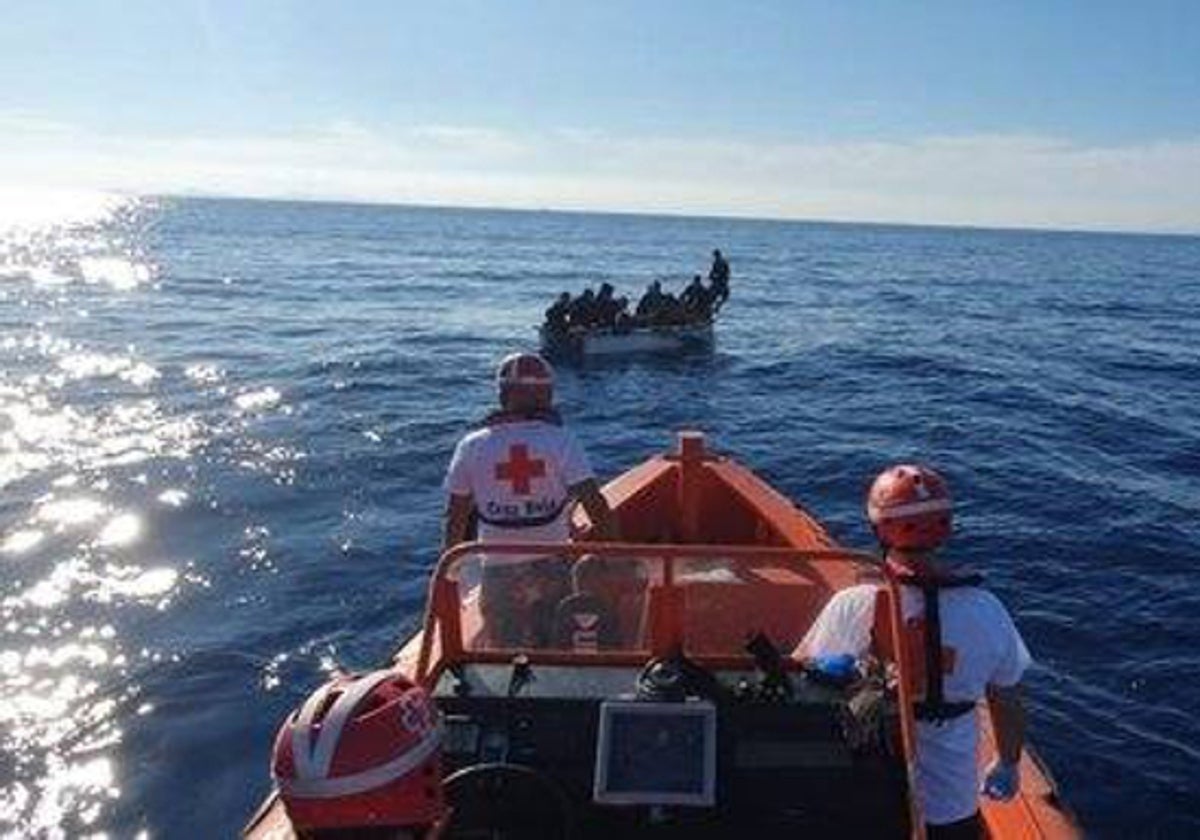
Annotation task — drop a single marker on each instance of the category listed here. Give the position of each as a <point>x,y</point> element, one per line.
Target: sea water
<point>224,424</point>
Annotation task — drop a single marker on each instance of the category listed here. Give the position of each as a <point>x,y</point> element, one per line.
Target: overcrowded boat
<point>657,698</point>
<point>599,324</point>
<point>608,342</point>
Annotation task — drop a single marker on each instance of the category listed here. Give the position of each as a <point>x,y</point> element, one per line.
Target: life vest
<point>500,418</point>
<point>923,641</point>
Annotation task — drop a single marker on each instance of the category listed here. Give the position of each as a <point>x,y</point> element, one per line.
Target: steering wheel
<point>509,801</point>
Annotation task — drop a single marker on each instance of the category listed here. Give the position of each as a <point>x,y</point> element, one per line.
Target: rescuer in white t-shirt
<point>981,654</point>
<point>518,476</point>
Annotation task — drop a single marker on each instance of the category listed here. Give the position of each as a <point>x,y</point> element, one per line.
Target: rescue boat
<point>658,699</point>
<point>601,342</point>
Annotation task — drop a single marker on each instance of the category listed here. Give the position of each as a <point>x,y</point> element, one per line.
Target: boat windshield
<point>620,601</point>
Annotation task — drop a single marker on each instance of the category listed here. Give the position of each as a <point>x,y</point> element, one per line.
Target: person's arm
<point>1008,721</point>
<point>457,520</point>
<point>604,523</point>
<point>842,627</point>
<point>460,499</point>
<point>1003,778</point>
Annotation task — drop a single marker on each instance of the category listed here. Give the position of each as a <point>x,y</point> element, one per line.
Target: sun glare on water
<point>53,238</point>
<point>78,420</point>
<point>37,209</point>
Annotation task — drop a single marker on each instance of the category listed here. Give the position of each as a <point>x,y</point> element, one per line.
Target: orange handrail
<point>905,700</point>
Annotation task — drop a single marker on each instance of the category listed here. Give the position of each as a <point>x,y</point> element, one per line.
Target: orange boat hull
<point>692,498</point>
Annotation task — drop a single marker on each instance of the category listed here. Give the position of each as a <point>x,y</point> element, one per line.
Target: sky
<point>1077,114</point>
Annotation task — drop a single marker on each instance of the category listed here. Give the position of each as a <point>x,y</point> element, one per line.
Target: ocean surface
<point>223,427</point>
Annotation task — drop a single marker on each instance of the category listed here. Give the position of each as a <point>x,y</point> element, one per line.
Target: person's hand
<point>839,669</point>
<point>1002,781</point>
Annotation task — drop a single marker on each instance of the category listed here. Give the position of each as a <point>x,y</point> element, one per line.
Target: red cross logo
<point>520,468</point>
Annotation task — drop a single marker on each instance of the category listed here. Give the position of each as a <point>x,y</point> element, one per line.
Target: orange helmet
<point>909,506</point>
<point>363,750</point>
<point>524,370</point>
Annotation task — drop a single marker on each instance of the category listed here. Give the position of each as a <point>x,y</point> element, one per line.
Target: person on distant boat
<point>718,278</point>
<point>582,313</point>
<point>622,320</point>
<point>651,302</point>
<point>670,311</point>
<point>517,475</point>
<point>695,300</point>
<point>606,307</point>
<point>969,649</point>
<point>556,315</point>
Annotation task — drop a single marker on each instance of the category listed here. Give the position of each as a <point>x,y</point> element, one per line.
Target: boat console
<point>596,758</point>
<point>653,714</point>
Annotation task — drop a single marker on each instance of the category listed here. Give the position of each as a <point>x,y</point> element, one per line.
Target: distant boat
<point>673,339</point>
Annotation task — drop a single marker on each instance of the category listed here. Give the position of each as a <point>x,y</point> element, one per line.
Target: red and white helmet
<point>363,750</point>
<point>524,370</point>
<point>909,506</point>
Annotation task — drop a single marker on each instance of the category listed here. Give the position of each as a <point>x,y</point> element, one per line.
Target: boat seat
<point>620,585</point>
<point>585,622</point>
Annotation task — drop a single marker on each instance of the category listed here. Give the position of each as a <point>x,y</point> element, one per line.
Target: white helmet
<point>524,370</point>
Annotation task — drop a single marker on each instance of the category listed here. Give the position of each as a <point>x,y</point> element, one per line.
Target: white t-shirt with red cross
<point>519,475</point>
<point>982,647</point>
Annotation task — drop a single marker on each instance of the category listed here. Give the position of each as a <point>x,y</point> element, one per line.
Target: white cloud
<point>29,123</point>
<point>481,143</point>
<point>1007,180</point>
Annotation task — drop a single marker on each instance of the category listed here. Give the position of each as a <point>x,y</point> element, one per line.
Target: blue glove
<point>1002,781</point>
<point>839,669</point>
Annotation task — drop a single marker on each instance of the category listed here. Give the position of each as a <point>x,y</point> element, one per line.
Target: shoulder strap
<point>934,707</point>
<point>933,647</point>
<point>908,577</point>
<point>499,418</point>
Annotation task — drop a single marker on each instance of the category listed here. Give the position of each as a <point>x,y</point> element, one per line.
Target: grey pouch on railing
<point>863,716</point>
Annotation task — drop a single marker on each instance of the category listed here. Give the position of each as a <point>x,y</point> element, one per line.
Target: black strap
<point>543,415</point>
<point>934,707</point>
<point>534,522</point>
<point>925,711</point>
<point>933,646</point>
<point>908,578</point>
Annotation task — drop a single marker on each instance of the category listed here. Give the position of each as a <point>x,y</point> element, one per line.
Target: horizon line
<point>661,214</point>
